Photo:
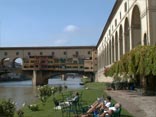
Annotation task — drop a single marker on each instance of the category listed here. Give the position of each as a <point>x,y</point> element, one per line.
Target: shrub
<point>20,113</point>
<point>45,91</point>
<point>33,107</point>
<point>7,108</point>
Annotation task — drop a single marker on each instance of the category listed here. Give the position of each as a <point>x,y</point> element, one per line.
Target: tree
<point>140,61</point>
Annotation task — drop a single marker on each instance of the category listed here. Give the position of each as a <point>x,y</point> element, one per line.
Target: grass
<point>89,95</point>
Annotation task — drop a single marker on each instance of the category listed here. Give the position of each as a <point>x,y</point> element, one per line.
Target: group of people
<point>102,107</point>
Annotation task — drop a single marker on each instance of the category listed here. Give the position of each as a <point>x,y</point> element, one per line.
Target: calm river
<point>23,91</point>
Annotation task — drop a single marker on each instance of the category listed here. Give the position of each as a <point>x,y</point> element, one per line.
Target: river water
<point>23,91</point>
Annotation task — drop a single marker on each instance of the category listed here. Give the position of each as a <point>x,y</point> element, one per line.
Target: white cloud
<point>71,28</point>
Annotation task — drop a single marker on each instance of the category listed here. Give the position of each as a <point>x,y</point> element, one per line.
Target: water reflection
<point>18,94</point>
<point>72,83</point>
<point>23,91</point>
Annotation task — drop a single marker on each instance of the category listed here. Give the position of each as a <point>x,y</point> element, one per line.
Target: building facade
<point>131,23</point>
<point>52,58</point>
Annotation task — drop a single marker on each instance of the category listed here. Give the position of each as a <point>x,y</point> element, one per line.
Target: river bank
<point>91,90</point>
<point>9,79</point>
<point>23,91</point>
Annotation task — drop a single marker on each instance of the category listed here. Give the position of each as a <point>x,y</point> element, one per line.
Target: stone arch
<point>121,40</point>
<point>17,62</point>
<point>102,58</point>
<point>113,49</point>
<point>6,63</point>
<point>136,27</point>
<point>145,39</point>
<point>99,61</point>
<point>107,53</point>
<point>126,35</point>
<point>116,45</point>
<point>110,51</point>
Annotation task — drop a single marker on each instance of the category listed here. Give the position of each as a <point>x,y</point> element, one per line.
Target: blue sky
<point>52,22</point>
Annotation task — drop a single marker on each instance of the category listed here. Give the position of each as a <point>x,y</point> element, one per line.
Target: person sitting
<point>98,105</point>
<point>70,101</point>
<point>106,103</point>
<point>75,98</point>
<point>109,111</point>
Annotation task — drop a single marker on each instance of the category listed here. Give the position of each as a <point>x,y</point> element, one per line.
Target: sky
<point>30,23</point>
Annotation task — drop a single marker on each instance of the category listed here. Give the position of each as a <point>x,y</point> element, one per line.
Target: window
<point>53,53</point>
<point>125,6</point>
<point>115,22</point>
<point>17,53</point>
<point>109,31</point>
<point>77,53</point>
<point>41,53</point>
<point>120,15</point>
<point>5,53</point>
<point>65,53</point>
<point>29,53</point>
<point>89,52</point>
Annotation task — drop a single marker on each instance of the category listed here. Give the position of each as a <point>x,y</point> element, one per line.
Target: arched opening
<point>113,49</point>
<point>121,40</point>
<point>1,64</point>
<point>126,35</point>
<point>17,63</point>
<point>6,63</point>
<point>145,39</point>
<point>116,45</point>
<point>101,62</point>
<point>5,69</point>
<point>136,27</point>
<point>107,57</point>
<point>110,52</point>
<point>72,80</point>
<point>103,57</point>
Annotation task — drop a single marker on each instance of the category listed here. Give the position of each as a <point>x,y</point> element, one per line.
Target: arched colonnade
<point>125,37</point>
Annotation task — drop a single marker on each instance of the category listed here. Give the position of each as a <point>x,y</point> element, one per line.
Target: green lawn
<point>89,95</point>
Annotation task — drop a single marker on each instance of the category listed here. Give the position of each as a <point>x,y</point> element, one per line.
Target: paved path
<point>137,105</point>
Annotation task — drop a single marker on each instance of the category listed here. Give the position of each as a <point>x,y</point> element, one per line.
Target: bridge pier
<point>39,78</point>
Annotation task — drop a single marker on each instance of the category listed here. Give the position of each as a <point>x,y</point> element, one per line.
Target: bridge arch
<point>6,62</point>
<point>17,62</point>
<point>136,26</point>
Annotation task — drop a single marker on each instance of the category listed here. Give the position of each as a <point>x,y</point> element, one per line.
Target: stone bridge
<point>40,63</point>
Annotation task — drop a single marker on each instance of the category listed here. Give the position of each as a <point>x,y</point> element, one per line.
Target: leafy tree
<point>140,61</point>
